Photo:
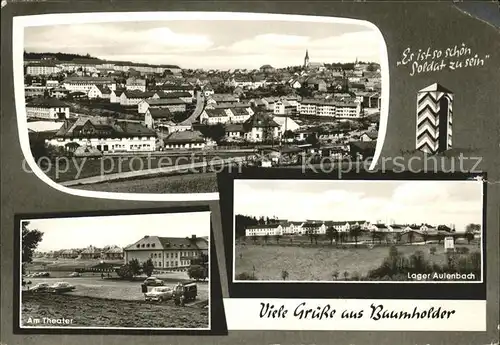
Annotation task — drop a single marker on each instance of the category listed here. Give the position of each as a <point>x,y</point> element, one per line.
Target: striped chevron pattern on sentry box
<point>434,119</point>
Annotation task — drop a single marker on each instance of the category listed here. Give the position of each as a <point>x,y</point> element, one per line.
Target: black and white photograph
<point>358,230</point>
<point>141,271</point>
<point>161,106</point>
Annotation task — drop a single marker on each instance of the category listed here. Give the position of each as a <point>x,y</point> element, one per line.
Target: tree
<point>125,272</point>
<point>148,267</point>
<point>335,274</point>
<point>332,234</point>
<point>266,238</point>
<point>310,234</point>
<point>315,236</point>
<point>312,139</point>
<point>135,267</point>
<point>277,237</point>
<point>469,236</point>
<point>355,231</point>
<point>254,239</point>
<point>470,230</point>
<point>284,274</point>
<point>288,134</point>
<point>30,241</point>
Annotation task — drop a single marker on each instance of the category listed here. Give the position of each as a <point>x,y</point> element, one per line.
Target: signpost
<point>449,244</point>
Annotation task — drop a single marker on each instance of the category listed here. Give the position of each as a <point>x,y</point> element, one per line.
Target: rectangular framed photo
<point>126,272</point>
<point>360,232</point>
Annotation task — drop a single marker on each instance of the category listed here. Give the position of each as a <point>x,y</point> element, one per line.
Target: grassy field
<point>190,183</point>
<point>94,312</point>
<point>69,169</point>
<point>318,264</point>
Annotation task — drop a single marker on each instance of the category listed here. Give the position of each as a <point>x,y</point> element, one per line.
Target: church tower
<point>306,59</point>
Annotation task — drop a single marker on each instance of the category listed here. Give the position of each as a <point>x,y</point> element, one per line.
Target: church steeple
<point>306,59</point>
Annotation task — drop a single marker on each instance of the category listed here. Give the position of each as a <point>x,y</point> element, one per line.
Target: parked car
<point>159,294</point>
<point>184,293</point>
<point>41,287</point>
<point>61,287</point>
<point>153,281</point>
<point>41,274</point>
<point>75,274</point>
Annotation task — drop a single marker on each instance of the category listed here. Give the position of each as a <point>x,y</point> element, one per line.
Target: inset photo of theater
<point>144,271</point>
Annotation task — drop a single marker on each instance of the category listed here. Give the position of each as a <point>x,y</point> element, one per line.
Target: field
<point>64,169</point>
<point>189,183</point>
<point>319,263</point>
<point>94,312</point>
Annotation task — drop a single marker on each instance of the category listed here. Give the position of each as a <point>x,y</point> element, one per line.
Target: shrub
<point>245,276</point>
<point>462,250</point>
<point>335,274</point>
<point>284,274</point>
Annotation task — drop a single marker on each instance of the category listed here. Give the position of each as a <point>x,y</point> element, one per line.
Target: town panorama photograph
<point>162,106</point>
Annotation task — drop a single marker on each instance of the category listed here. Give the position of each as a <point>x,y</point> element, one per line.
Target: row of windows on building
<point>171,263</point>
<point>174,254</point>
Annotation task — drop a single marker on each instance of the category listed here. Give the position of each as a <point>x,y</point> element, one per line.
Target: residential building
<point>99,91</point>
<point>134,97</point>
<point>214,116</point>
<point>184,96</point>
<point>136,84</point>
<point>47,108</point>
<point>154,117</point>
<point>42,68</point>
<point>235,131</point>
<point>168,253</point>
<point>113,253</point>
<point>286,124</point>
<point>330,108</point>
<point>51,83</point>
<point>115,96</point>
<point>283,107</point>
<point>292,228</point>
<point>59,92</point>
<point>105,135</point>
<point>35,91</point>
<point>90,252</point>
<point>264,230</point>
<point>173,104</point>
<point>261,127</point>
<point>177,88</point>
<point>84,84</point>
<point>185,140</point>
<point>223,98</point>
<point>316,228</point>
<point>369,136</point>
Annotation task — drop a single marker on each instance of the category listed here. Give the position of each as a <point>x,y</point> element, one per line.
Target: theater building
<point>169,253</point>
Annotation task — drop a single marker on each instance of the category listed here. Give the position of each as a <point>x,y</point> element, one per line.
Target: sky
<point>80,232</point>
<point>210,44</point>
<point>404,202</point>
